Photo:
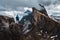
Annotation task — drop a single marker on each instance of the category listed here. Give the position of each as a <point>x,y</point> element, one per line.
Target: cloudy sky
<point>52,6</point>
<point>15,4</point>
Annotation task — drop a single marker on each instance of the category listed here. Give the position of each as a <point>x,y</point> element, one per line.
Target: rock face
<point>4,27</point>
<point>35,26</point>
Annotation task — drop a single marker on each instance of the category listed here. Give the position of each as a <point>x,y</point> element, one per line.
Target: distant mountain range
<point>26,17</point>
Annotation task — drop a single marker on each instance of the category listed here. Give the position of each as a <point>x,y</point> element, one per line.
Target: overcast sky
<point>15,4</point>
<point>50,5</point>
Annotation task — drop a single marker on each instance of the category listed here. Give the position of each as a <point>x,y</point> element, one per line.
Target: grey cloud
<point>49,2</point>
<point>14,4</point>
